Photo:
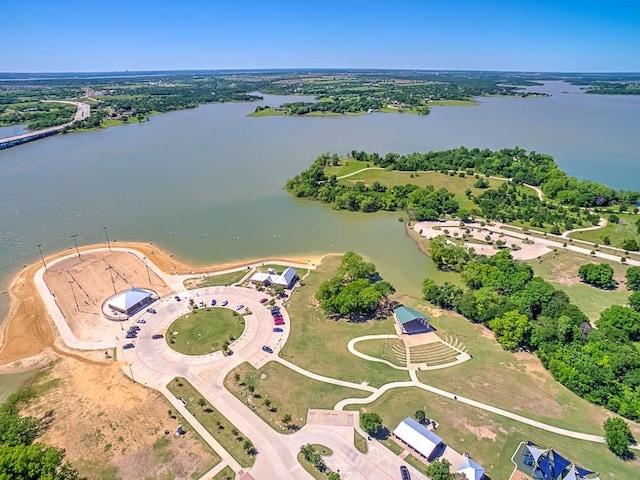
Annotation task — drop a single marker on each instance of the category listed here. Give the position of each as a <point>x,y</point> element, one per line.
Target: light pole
<point>107,237</point>
<point>75,242</point>
<point>42,257</point>
<point>71,282</point>
<point>113,284</point>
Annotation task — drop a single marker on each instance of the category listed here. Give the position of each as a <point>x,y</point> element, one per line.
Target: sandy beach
<point>28,338</point>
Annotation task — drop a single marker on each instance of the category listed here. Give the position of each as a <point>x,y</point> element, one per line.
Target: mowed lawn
<point>204,330</point>
<point>216,280</point>
<point>455,184</point>
<point>288,391</point>
<point>617,233</point>
<point>392,350</point>
<point>319,344</point>
<point>213,421</point>
<point>347,166</point>
<point>561,269</point>
<point>491,439</point>
<point>517,382</point>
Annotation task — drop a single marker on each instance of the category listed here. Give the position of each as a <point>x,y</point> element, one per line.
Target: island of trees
<point>567,202</point>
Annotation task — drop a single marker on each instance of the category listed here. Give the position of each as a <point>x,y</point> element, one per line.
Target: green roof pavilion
<point>411,321</point>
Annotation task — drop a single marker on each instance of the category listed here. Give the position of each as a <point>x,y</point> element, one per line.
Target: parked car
<point>213,302</point>
<point>278,330</point>
<point>157,336</point>
<point>279,321</point>
<point>201,304</point>
<point>177,298</point>
<point>151,310</point>
<point>264,300</point>
<point>239,307</point>
<point>184,402</point>
<point>134,328</point>
<point>127,346</point>
<point>141,320</point>
<point>225,303</point>
<point>267,349</point>
<point>404,472</point>
<point>132,335</point>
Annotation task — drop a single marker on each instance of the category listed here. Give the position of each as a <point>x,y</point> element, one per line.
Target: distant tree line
<point>525,312</point>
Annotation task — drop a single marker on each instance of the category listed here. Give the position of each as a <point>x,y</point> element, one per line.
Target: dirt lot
<point>113,428</point>
<point>90,278</point>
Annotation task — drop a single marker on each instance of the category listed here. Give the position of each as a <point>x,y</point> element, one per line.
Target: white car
<point>225,303</point>
<point>239,307</point>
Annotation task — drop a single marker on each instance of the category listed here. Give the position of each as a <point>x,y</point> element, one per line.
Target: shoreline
<point>28,335</point>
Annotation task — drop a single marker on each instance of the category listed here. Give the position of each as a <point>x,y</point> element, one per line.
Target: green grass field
<point>561,269</point>
<point>289,392</point>
<point>225,474</point>
<point>269,112</point>
<point>360,442</point>
<point>515,382</point>
<point>617,233</point>
<point>204,330</point>
<point>391,350</point>
<point>215,280</point>
<point>347,166</point>
<point>308,466</point>
<point>455,184</point>
<point>490,439</point>
<point>453,103</point>
<point>215,423</point>
<point>319,344</point>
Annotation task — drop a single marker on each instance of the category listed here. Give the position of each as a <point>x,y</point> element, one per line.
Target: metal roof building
<point>411,321</point>
<point>131,300</point>
<point>418,437</point>
<point>471,469</point>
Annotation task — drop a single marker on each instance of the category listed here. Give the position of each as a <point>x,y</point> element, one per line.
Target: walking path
<point>154,364</point>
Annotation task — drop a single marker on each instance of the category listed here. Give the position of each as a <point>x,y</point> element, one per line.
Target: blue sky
<point>523,35</point>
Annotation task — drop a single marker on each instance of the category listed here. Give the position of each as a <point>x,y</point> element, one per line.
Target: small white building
<point>418,437</point>
<point>286,279</point>
<point>471,469</point>
<point>130,301</point>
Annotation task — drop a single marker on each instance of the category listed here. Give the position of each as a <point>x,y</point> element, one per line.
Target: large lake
<point>206,184</point>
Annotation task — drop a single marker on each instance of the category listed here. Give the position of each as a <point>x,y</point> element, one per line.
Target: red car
<point>264,300</point>
<point>278,321</point>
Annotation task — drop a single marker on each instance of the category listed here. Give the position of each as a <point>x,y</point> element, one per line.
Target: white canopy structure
<point>285,280</point>
<point>418,437</point>
<point>471,469</point>
<point>130,300</point>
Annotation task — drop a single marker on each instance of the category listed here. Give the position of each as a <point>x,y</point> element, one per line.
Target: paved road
<point>83,111</point>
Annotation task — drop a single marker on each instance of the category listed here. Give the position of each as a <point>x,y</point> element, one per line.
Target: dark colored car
<point>132,335</point>
<point>278,330</point>
<point>177,298</point>
<point>264,300</point>
<point>127,346</point>
<point>404,472</point>
<point>267,349</point>
<point>213,302</point>
<point>151,310</point>
<point>157,336</point>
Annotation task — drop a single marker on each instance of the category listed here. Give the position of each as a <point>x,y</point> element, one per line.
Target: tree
<point>202,402</point>
<point>630,244</point>
<point>267,403</point>
<point>440,470</point>
<point>420,416</point>
<point>620,319</point>
<point>371,423</point>
<point>286,419</point>
<point>634,301</point>
<point>354,267</point>
<point>598,275</point>
<point>633,278</point>
<point>512,330</point>
<point>334,476</point>
<point>618,436</point>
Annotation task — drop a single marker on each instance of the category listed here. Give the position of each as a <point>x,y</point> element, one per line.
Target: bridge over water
<point>83,112</point>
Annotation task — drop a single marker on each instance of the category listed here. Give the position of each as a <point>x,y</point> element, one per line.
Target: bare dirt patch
<point>114,428</point>
<point>88,280</point>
